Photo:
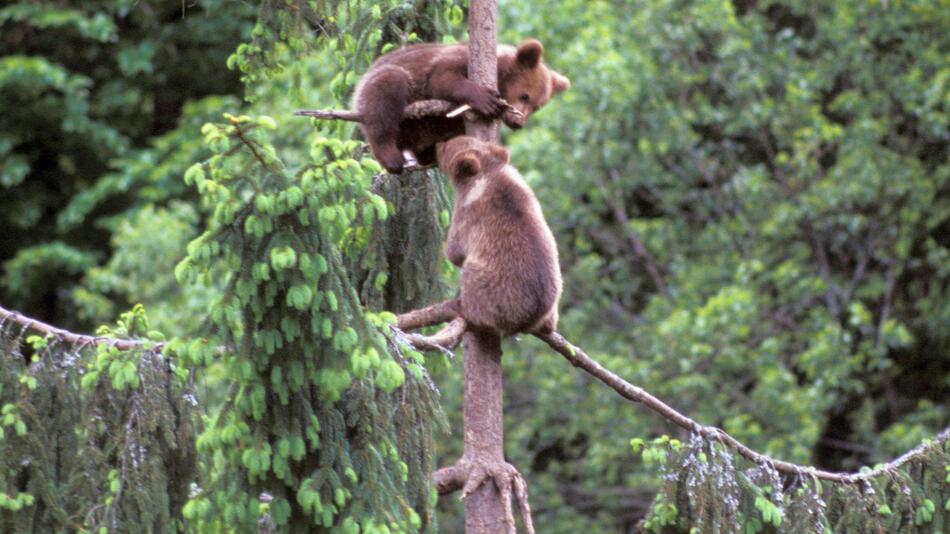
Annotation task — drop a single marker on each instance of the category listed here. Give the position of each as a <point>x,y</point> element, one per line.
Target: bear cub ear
<point>465,165</point>
<point>501,153</point>
<point>529,53</point>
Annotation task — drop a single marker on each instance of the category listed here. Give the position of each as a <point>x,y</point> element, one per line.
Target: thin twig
<point>247,142</point>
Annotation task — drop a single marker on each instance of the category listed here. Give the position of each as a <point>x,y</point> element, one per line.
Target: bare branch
<point>330,114</point>
<point>416,110</point>
<point>76,339</point>
<point>429,316</point>
<point>450,479</point>
<point>444,340</point>
<point>449,337</point>
<point>579,358</point>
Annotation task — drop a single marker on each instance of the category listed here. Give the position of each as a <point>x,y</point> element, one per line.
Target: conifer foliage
<point>301,420</point>
<point>92,436</point>
<point>706,488</point>
<point>303,437</point>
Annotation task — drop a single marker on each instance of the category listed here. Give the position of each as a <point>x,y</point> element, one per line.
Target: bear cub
<point>437,71</point>
<point>510,279</point>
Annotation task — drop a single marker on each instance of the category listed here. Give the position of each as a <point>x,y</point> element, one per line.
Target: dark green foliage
<point>785,164</point>
<point>314,433</point>
<point>92,437</point>
<point>26,271</point>
<point>399,271</point>
<point>357,30</point>
<point>84,85</point>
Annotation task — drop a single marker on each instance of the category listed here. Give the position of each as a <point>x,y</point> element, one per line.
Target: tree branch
<point>450,479</point>
<point>431,315</point>
<point>29,323</point>
<point>444,340</point>
<point>580,359</point>
<point>250,145</point>
<point>416,110</point>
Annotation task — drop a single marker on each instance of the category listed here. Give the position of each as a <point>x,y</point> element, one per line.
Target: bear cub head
<point>464,157</point>
<point>527,83</point>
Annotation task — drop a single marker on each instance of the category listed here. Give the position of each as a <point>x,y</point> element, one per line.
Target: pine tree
<point>94,433</point>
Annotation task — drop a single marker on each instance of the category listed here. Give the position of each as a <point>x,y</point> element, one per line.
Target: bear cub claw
<point>488,102</point>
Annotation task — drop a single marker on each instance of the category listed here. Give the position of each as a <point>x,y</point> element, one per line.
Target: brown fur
<point>429,70</point>
<point>510,280</point>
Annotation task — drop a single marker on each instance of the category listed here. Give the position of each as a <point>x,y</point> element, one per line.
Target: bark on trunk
<point>483,60</point>
<point>482,410</point>
<point>484,430</point>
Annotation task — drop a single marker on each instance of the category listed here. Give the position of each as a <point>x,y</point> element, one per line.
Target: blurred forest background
<point>751,200</point>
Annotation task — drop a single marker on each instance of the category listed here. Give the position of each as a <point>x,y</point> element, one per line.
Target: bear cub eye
<point>524,97</point>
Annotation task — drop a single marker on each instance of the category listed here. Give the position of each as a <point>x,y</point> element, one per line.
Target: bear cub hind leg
<point>381,101</point>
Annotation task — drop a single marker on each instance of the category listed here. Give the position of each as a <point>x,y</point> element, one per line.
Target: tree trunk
<point>482,409</point>
<point>483,60</point>
<point>484,429</point>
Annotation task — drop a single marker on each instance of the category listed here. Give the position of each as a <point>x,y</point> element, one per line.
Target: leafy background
<point>751,201</point>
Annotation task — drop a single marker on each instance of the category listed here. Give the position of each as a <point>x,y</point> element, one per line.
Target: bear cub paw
<point>391,158</point>
<point>487,102</point>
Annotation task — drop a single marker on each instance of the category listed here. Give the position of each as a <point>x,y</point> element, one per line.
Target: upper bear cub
<point>510,279</point>
<point>428,70</point>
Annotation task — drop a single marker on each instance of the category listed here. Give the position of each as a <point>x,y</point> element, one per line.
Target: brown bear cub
<point>510,279</point>
<point>435,71</point>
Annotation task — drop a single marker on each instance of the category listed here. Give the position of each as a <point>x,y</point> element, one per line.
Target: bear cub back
<point>510,278</point>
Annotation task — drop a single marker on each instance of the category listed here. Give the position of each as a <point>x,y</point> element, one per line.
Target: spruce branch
<point>28,323</point>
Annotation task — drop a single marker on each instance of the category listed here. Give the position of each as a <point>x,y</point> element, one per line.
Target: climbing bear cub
<point>510,280</point>
<point>434,71</point>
